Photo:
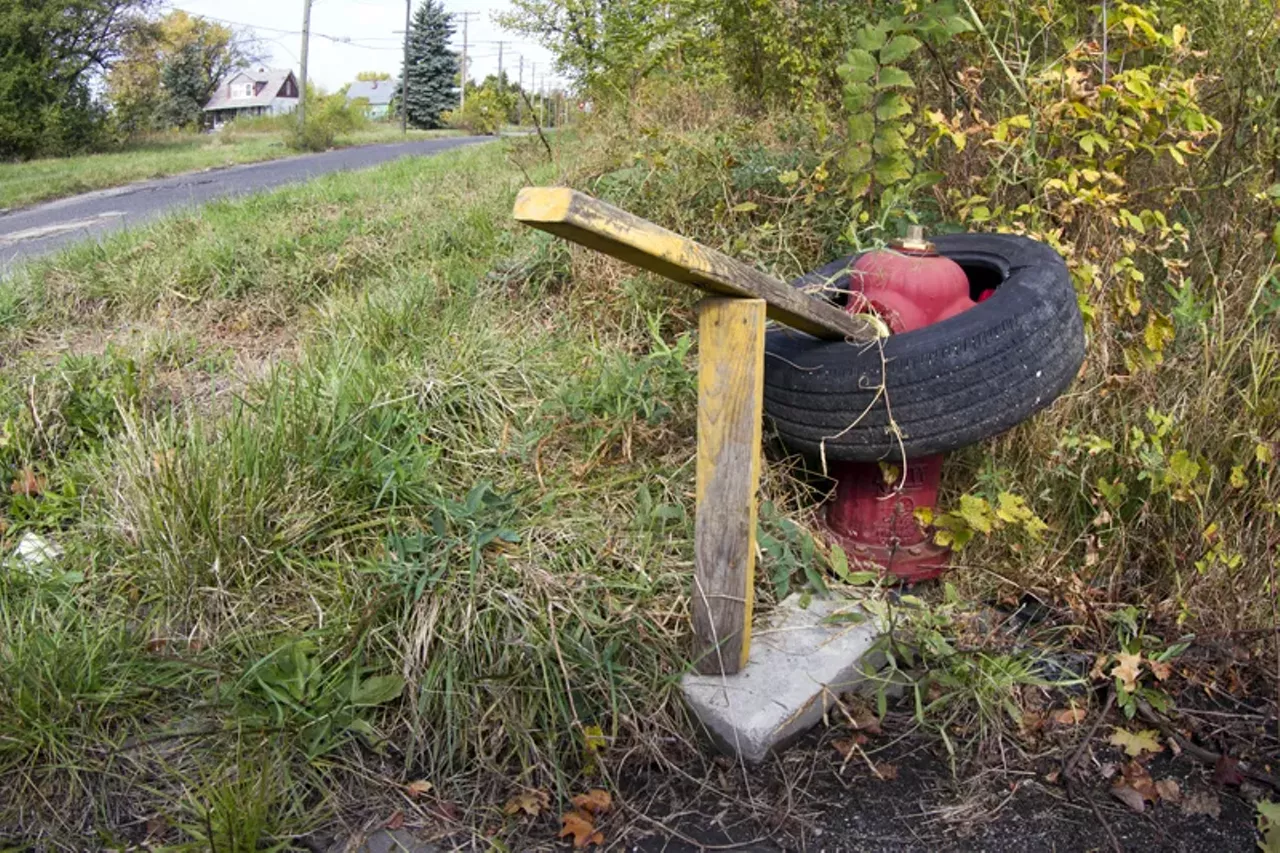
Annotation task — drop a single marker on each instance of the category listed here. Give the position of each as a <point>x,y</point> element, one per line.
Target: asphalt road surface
<point>32,231</point>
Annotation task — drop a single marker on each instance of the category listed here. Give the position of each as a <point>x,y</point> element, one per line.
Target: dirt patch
<point>803,801</point>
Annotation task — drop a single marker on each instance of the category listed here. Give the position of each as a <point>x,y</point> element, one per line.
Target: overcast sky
<point>349,36</point>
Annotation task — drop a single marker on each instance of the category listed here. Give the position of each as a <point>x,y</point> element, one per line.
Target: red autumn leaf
<point>1227,771</point>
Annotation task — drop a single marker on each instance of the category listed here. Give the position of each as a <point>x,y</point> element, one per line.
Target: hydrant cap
<point>914,243</point>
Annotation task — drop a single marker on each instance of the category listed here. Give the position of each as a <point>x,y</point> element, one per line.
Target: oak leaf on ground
<point>1069,716</point>
<point>579,824</point>
<point>1169,791</point>
<point>1136,743</point>
<point>595,801</point>
<point>888,772</point>
<point>1136,777</point>
<point>532,803</point>
<point>1126,669</point>
<point>1202,803</point>
<point>1129,797</point>
<point>418,788</point>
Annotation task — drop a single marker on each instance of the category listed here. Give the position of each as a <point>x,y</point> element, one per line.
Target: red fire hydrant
<point>873,514</point>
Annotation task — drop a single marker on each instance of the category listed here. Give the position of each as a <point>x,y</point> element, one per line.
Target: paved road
<point>32,231</point>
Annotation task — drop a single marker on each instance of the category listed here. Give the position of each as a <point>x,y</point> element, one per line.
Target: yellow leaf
<point>1263,453</point>
<point>1238,479</point>
<point>1136,743</point>
<point>1126,669</point>
<point>976,512</point>
<point>594,738</point>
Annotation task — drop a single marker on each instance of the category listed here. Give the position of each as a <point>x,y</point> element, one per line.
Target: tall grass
<point>437,485</point>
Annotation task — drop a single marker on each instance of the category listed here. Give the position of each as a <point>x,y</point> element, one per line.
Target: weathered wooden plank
<point>605,228</point>
<point>730,397</point>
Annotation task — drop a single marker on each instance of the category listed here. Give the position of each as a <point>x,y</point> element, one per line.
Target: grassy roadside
<point>370,498</point>
<point>29,182</point>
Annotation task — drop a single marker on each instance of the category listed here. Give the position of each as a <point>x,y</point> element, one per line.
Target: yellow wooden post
<point>730,401</point>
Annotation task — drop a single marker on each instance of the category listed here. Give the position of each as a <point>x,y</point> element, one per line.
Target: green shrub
<point>328,116</point>
<point>483,114</point>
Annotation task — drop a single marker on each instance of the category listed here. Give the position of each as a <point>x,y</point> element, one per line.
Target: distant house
<point>376,92</point>
<point>257,91</point>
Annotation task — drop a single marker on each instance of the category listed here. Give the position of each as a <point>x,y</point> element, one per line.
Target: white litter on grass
<point>34,554</point>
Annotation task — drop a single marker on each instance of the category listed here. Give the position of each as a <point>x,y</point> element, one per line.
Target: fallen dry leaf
<point>581,827</point>
<point>418,788</point>
<point>1126,669</point>
<point>1051,777</point>
<point>1169,791</point>
<point>1202,802</point>
<point>1069,716</point>
<point>396,821</point>
<point>157,826</point>
<point>888,772</point>
<point>532,803</point>
<point>848,746</point>
<point>1136,743</point>
<point>1162,671</point>
<point>595,801</point>
<point>1135,776</point>
<point>1129,797</point>
<point>28,483</point>
<point>1227,771</point>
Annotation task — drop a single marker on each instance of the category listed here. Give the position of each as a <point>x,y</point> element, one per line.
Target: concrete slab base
<point>799,663</point>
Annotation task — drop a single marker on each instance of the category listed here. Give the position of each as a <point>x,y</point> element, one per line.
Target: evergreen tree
<point>187,87</point>
<point>433,68</point>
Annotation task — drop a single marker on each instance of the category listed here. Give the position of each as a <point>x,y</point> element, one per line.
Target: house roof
<point>273,78</point>
<point>376,92</point>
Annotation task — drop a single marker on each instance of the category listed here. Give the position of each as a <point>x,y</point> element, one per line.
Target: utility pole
<point>533,90</point>
<point>404,77</point>
<point>306,39</point>
<point>520,94</point>
<point>500,44</point>
<point>462,78</point>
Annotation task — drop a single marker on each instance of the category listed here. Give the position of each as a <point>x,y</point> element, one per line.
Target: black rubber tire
<point>949,385</point>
